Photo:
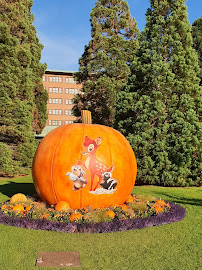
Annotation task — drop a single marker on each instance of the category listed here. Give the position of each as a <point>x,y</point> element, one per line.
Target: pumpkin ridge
<point>109,144</point>
<point>80,157</point>
<point>65,129</point>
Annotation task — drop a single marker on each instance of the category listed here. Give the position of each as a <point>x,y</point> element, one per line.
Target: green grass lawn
<point>173,246</point>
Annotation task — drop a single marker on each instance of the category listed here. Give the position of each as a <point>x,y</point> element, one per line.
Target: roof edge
<point>52,71</point>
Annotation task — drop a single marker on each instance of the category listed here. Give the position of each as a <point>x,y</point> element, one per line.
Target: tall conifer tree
<point>22,96</point>
<point>105,63</point>
<point>160,108</point>
<point>197,41</point>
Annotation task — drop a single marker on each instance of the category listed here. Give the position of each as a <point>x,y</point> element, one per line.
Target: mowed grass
<point>173,246</point>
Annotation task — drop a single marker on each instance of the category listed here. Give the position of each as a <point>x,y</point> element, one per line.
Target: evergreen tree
<point>105,63</point>
<point>159,110</point>
<point>197,41</point>
<point>22,96</point>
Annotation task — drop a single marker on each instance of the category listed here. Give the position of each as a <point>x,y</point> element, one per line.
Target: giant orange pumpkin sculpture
<point>84,164</point>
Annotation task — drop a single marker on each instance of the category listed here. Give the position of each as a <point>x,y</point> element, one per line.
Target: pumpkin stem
<point>86,117</point>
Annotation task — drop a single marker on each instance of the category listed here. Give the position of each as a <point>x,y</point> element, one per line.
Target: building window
<point>60,90</point>
<point>71,80</point>
<point>66,112</point>
<point>44,78</point>
<point>66,79</point>
<point>60,122</point>
<point>71,122</point>
<point>50,79</point>
<point>50,111</point>
<point>66,122</point>
<point>55,122</point>
<point>50,100</point>
<point>67,91</point>
<point>70,112</point>
<point>55,100</point>
<point>55,111</point>
<point>55,89</point>
<point>49,122</point>
<point>60,112</point>
<point>68,101</point>
<point>60,79</point>
<point>50,89</point>
<point>55,79</point>
<point>76,91</point>
<point>60,101</point>
<point>71,91</point>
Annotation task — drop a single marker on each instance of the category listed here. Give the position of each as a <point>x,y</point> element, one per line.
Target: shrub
<point>8,166</point>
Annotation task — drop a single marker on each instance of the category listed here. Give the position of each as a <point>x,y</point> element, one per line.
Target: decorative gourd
<point>18,208</point>
<point>62,206</point>
<point>110,214</point>
<point>19,197</point>
<point>84,164</point>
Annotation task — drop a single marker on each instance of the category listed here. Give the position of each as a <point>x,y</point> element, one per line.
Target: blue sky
<point>63,27</point>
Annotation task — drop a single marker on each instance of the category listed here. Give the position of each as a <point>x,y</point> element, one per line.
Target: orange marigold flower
<point>158,209</point>
<point>76,216</point>
<point>130,199</point>
<point>160,202</point>
<point>124,207</point>
<point>5,207</point>
<point>29,207</point>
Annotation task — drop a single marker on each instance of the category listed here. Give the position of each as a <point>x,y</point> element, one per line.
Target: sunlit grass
<point>173,246</point>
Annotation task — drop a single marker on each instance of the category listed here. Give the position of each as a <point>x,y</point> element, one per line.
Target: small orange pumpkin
<point>19,197</point>
<point>18,208</point>
<point>75,217</point>
<point>62,206</point>
<point>84,165</point>
<point>110,214</point>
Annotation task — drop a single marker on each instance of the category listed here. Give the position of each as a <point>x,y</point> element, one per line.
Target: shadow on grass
<point>180,199</point>
<point>12,188</point>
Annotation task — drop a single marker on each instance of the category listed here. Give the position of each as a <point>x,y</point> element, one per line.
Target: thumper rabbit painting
<point>101,181</point>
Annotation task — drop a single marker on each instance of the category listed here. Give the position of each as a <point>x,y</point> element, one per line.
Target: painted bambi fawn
<point>91,163</point>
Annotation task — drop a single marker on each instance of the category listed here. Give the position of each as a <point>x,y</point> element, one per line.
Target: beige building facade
<point>61,88</point>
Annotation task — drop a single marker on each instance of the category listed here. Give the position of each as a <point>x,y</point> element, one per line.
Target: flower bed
<point>136,213</point>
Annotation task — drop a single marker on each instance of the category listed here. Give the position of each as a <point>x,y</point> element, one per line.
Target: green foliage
<point>22,96</point>
<point>197,41</point>
<point>8,166</point>
<point>105,63</point>
<point>159,110</point>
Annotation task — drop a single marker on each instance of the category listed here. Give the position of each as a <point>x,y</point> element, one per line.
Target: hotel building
<point>61,88</point>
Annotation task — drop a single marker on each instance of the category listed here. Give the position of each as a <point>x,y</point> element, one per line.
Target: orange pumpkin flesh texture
<point>69,146</point>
